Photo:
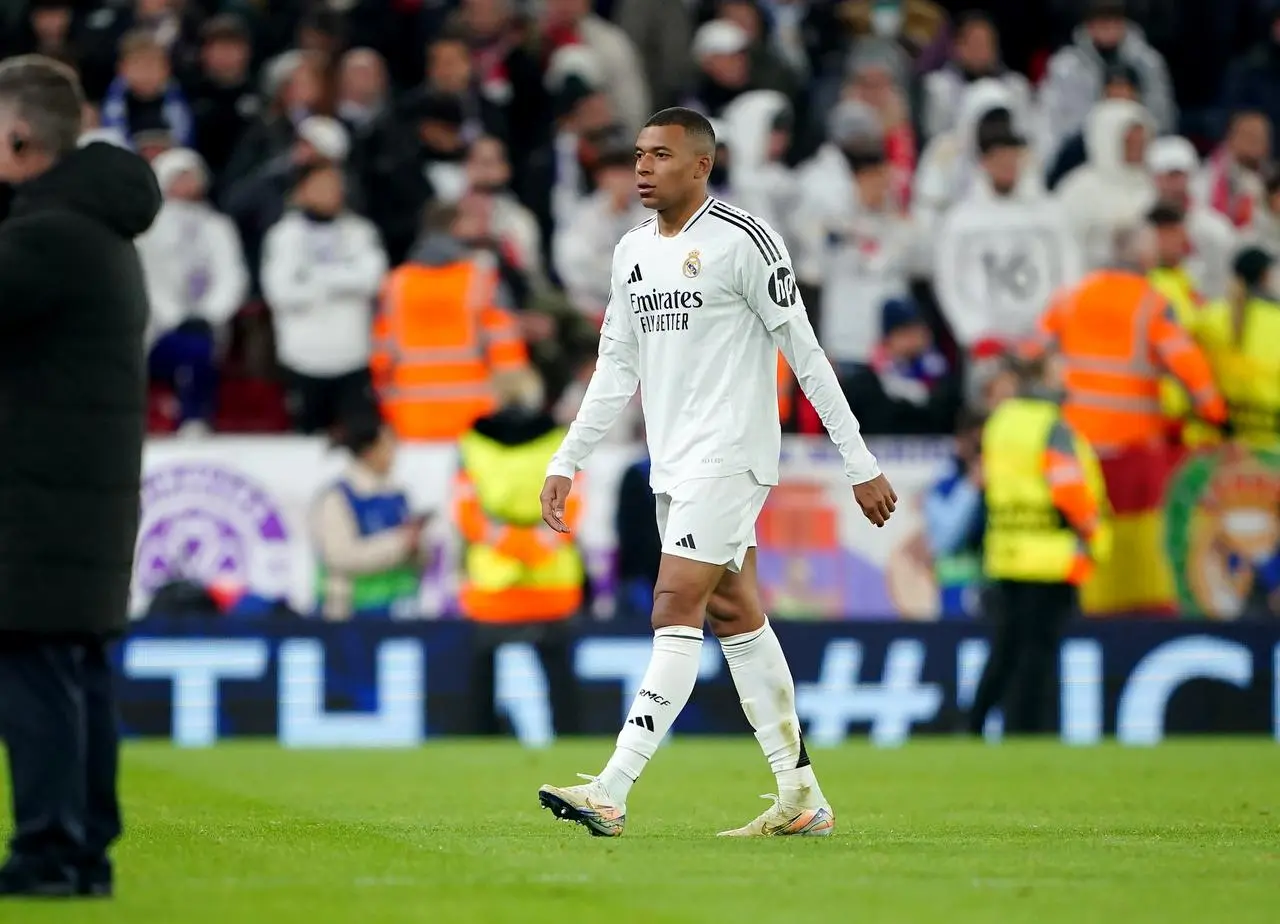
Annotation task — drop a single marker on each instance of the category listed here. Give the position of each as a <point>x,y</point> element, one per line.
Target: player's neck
<point>671,221</point>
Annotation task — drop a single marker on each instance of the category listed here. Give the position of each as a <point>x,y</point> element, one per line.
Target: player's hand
<point>555,493</point>
<point>877,499</point>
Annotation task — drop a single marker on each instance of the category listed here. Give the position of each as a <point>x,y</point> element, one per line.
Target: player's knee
<point>733,615</point>
<point>676,607</point>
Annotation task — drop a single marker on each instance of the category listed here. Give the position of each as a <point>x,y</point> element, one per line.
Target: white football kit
<point>696,322</point>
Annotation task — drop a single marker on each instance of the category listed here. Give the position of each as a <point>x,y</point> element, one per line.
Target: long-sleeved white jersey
<point>696,322</point>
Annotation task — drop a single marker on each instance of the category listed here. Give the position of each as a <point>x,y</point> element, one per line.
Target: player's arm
<point>613,383</point>
<point>771,291</point>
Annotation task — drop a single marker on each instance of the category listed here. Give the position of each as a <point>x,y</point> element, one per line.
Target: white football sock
<point>768,696</point>
<point>667,685</point>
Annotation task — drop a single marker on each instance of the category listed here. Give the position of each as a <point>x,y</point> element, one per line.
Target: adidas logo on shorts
<point>687,543</point>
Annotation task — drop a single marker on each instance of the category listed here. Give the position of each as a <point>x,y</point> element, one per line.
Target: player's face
<point>670,167</point>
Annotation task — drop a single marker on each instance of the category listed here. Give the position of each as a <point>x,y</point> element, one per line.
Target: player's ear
<point>704,165</point>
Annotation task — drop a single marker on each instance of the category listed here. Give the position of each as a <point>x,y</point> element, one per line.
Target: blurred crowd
<point>415,199</point>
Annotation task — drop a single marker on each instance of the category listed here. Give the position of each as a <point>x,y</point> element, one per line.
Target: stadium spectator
<point>769,69</point>
<point>144,96</point>
<point>761,126</point>
<point>294,88</point>
<point>853,242</point>
<point>572,22</point>
<point>257,201</point>
<point>1239,334</point>
<point>1211,240</point>
<point>46,28</point>
<point>1115,321</point>
<point>954,522</point>
<point>322,266</point>
<point>1168,274</point>
<point>446,330</point>
<point>224,101</point>
<point>582,248</point>
<point>975,55</point>
<point>173,24</point>
<point>505,68</point>
<point>1266,224</point>
<point>1119,82</point>
<point>1113,191</point>
<point>368,540</point>
<point>521,581</point>
<point>721,51</point>
<point>513,226</point>
<point>1005,248</point>
<point>450,72</point>
<point>1047,530</point>
<point>196,281</point>
<point>907,386</point>
<point>384,152</point>
<point>661,31</point>
<point>951,161</point>
<point>1231,182</point>
<point>559,172</point>
<point>1252,81</point>
<point>438,121</point>
<point>1076,73</point>
<point>877,79</point>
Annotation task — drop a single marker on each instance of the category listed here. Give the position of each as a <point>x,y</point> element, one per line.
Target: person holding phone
<point>369,541</point>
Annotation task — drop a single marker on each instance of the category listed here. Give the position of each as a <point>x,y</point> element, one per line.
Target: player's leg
<point>693,560</point>
<point>768,696</point>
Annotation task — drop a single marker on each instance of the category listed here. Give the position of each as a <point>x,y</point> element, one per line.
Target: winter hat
<point>1123,71</point>
<point>852,122</point>
<point>327,136</point>
<point>278,71</point>
<point>1172,154</point>
<point>897,313</point>
<point>173,163</point>
<point>1251,265</point>
<point>720,37</point>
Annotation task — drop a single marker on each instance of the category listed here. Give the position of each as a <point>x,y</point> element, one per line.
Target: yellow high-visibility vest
<point>1027,537</point>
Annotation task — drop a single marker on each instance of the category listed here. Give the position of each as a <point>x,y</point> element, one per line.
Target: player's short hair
<point>46,94</point>
<point>695,125</point>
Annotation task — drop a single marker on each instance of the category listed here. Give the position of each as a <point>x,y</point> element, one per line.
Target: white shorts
<point>711,520</point>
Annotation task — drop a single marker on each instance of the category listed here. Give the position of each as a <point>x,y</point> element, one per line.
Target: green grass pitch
<point>937,831</point>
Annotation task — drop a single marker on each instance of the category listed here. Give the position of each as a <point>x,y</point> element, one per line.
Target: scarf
<point>177,115</point>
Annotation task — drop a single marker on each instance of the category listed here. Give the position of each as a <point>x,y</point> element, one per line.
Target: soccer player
<point>703,297</point>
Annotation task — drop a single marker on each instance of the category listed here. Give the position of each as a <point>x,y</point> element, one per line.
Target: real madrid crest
<point>692,264</point>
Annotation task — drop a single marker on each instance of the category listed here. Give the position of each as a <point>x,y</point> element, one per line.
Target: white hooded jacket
<point>860,258</point>
<point>950,161</point>
<point>1000,259</point>
<point>191,256</point>
<point>1107,195</point>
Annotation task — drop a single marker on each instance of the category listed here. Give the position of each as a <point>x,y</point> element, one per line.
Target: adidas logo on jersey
<point>635,276</point>
<point>687,543</point>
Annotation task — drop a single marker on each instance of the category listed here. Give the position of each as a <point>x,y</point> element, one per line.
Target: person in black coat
<point>73,313</point>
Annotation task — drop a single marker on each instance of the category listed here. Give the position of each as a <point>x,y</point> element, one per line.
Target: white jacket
<point>999,259</point>
<point>1107,195</point>
<point>194,266</point>
<point>619,62</point>
<point>1213,246</point>
<point>860,258</point>
<point>582,249</point>
<point>320,279</point>
<point>944,91</point>
<point>950,161</point>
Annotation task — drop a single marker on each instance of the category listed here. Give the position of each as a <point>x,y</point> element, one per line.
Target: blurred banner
<point>235,510</point>
<point>314,685</point>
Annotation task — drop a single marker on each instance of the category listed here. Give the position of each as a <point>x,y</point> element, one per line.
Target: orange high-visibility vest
<point>1117,337</point>
<point>438,340</point>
